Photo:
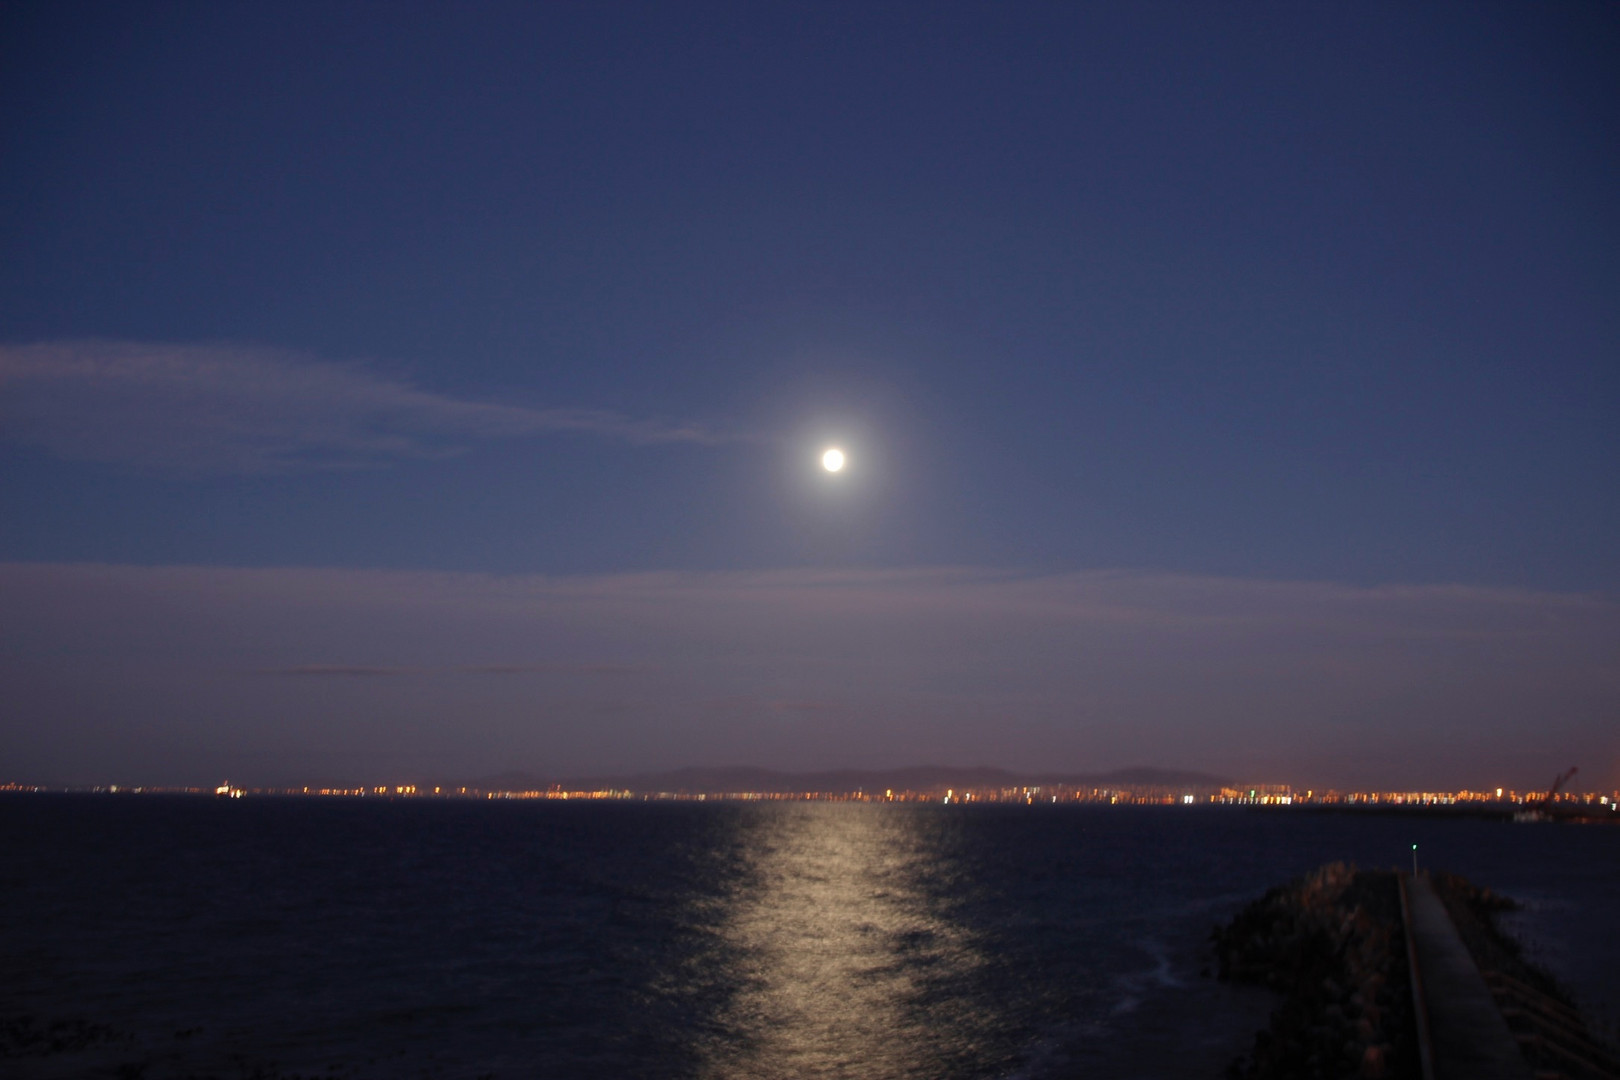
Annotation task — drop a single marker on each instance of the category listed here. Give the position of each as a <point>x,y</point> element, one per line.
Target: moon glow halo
<point>833,460</point>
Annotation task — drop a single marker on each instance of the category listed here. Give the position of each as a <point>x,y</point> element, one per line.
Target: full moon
<point>832,460</point>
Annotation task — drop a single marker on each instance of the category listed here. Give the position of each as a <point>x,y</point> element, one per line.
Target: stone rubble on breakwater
<point>1552,1034</point>
<point>1333,945</point>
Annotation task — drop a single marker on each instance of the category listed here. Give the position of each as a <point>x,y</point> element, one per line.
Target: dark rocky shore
<point>1332,943</point>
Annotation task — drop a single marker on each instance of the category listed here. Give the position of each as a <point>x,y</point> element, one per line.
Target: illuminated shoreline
<point>1505,801</point>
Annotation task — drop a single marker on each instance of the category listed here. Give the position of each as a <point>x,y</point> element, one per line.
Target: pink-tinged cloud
<point>235,409</point>
<point>135,674</point>
<point>340,671</point>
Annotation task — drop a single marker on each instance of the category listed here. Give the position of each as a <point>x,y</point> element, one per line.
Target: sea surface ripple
<point>182,937</point>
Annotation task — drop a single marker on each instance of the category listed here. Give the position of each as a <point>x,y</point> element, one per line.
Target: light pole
<point>1414,862</point>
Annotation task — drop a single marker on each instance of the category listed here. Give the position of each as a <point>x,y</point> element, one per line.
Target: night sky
<point>409,391</point>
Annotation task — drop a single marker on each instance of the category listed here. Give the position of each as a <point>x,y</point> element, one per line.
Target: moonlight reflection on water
<point>846,949</point>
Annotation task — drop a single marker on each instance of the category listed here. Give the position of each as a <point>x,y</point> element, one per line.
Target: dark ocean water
<point>176,937</point>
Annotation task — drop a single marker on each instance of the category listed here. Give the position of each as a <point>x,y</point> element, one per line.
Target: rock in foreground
<point>1333,945</point>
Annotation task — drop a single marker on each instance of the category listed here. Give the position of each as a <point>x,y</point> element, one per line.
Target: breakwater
<point>1333,944</point>
<point>1552,1035</point>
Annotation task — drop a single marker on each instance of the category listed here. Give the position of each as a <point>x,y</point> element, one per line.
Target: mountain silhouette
<point>922,778</point>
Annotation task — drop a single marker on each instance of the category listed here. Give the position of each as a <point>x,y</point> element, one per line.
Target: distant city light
<point>1534,804</point>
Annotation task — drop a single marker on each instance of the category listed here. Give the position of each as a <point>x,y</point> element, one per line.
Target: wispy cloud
<point>230,408</point>
<point>544,669</point>
<point>340,671</point>
<point>1321,682</point>
<point>366,671</point>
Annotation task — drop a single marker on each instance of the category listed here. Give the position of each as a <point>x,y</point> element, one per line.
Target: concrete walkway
<point>1470,1039</point>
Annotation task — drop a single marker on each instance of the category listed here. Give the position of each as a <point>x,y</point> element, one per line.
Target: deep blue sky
<point>1268,295</point>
